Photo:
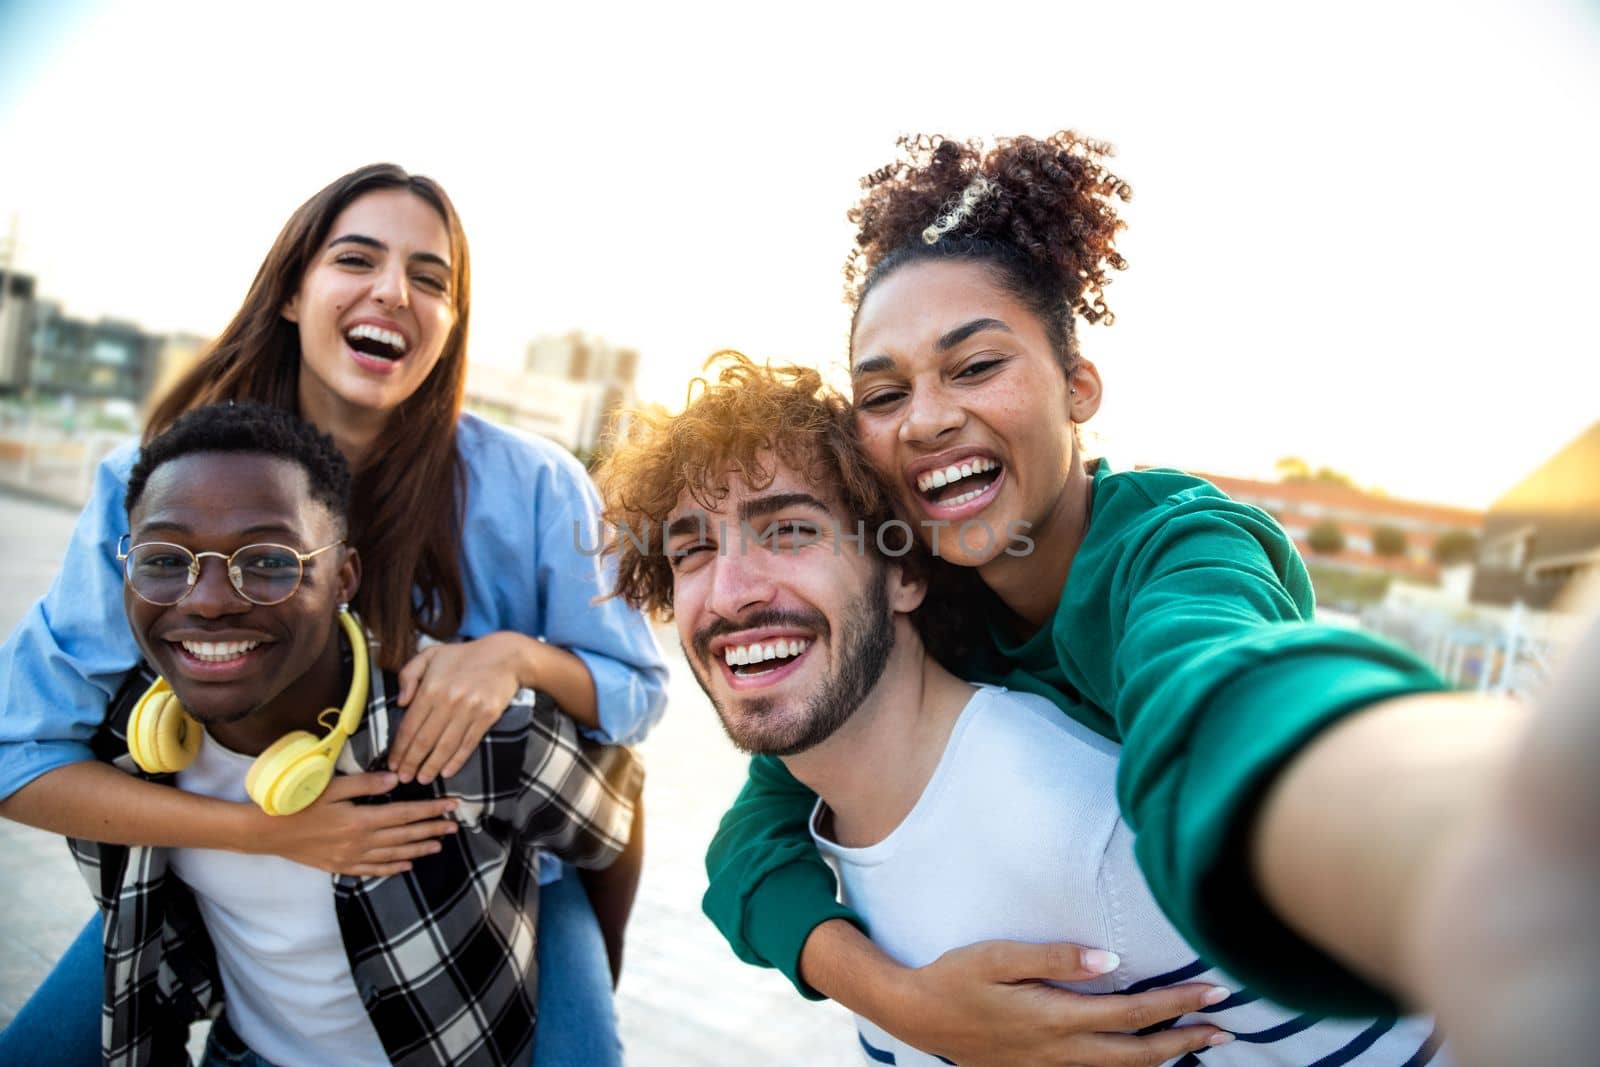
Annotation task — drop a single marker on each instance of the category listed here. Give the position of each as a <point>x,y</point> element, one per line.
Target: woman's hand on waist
<point>989,1004</point>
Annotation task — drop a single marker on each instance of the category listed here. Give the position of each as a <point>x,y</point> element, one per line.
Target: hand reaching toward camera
<point>1508,934</point>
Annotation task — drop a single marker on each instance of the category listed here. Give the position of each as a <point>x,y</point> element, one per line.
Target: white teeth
<point>391,338</point>
<point>217,651</point>
<point>746,655</point>
<point>954,473</point>
<point>963,498</point>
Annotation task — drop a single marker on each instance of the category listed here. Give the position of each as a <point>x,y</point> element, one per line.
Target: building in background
<point>1375,533</point>
<point>101,360</point>
<point>16,326</point>
<point>577,357</point>
<point>569,389</point>
<point>46,354</point>
<point>1545,532</point>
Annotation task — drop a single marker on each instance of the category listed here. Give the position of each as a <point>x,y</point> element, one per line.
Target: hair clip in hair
<point>958,212</point>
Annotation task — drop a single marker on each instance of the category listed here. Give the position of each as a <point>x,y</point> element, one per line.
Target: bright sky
<point>1363,233</point>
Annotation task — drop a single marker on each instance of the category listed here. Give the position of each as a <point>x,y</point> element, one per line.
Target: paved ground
<point>684,1000</point>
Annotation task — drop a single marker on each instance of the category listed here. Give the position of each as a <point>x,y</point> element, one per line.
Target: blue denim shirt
<point>524,566</point>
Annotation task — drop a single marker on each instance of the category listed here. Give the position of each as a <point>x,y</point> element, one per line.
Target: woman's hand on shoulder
<point>453,695</point>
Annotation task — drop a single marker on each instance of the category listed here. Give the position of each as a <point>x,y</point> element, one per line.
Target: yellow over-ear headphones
<point>163,738</point>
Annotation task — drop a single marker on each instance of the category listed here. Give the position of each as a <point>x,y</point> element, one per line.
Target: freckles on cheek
<point>879,446</point>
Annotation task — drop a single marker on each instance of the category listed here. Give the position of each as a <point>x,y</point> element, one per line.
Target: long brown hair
<point>408,500</point>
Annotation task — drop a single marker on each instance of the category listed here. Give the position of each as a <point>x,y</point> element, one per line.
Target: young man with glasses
<point>431,964</point>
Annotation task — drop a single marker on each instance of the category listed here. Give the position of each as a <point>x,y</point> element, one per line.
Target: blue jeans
<point>224,1048</point>
<point>59,1026</point>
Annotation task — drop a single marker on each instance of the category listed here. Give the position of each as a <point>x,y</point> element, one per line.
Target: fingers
<point>424,722</point>
<point>409,834</point>
<point>1059,961</point>
<point>347,786</point>
<point>446,746</point>
<point>411,676</point>
<point>403,750</point>
<point>377,870</point>
<point>454,694</point>
<point>401,853</point>
<point>1124,1011</point>
<point>473,731</point>
<point>408,813</point>
<point>1121,1050</point>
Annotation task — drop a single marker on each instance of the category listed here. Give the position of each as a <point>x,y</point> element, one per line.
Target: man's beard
<point>865,641</point>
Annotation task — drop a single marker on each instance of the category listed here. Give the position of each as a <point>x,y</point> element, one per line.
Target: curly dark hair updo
<point>255,429</point>
<point>1039,212</point>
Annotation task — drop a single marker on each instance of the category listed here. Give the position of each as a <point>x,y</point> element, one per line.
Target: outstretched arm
<point>1351,831</point>
<point>1493,923</point>
<point>1218,684</point>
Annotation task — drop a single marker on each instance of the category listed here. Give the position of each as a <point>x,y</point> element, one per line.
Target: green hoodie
<point>1183,633</point>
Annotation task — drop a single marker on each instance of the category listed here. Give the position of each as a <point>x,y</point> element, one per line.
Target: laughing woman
<point>357,320</point>
<point>1285,835</point>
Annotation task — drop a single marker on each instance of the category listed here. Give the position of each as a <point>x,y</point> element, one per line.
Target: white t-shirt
<point>1017,835</point>
<point>289,990</point>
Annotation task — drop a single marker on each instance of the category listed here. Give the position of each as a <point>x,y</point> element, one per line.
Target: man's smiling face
<point>224,656</point>
<point>786,626</point>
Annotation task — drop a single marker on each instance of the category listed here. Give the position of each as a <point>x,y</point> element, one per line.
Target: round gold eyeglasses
<point>163,573</point>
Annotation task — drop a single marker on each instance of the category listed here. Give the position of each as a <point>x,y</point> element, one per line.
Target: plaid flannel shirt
<point>443,955</point>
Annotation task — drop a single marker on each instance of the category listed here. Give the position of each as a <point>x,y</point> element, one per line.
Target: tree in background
<point>1455,546</point>
<point>1294,470</point>
<point>1388,540</point>
<point>1325,538</point>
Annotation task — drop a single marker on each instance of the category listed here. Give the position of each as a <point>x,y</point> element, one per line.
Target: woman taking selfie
<point>1282,833</point>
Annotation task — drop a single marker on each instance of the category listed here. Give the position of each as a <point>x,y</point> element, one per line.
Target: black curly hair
<point>256,429</point>
<point>1038,212</point>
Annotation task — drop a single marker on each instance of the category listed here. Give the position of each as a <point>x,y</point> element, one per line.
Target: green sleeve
<point>1211,704</point>
<point>769,885</point>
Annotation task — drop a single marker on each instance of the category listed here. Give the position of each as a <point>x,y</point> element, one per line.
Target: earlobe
<point>291,309</point>
<point>1083,391</point>
<point>349,576</point>
<point>906,590</point>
